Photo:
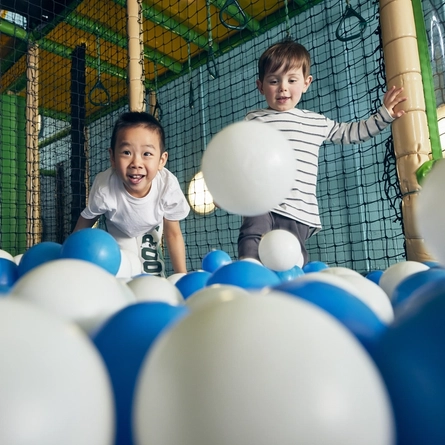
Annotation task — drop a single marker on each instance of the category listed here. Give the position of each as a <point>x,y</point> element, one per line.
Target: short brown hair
<point>286,54</point>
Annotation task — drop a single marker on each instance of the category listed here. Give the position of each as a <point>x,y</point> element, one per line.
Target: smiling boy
<point>139,197</point>
<point>283,77</point>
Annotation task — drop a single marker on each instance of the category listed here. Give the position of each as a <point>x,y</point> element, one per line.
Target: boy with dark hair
<point>139,198</point>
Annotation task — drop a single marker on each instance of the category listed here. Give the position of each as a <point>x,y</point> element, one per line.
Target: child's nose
<point>136,162</point>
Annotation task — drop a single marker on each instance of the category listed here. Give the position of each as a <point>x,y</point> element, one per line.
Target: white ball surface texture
<point>249,168</point>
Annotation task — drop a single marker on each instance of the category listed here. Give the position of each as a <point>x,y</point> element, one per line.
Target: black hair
<point>131,119</point>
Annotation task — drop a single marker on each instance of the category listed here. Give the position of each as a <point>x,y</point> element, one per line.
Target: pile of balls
<point>235,352</point>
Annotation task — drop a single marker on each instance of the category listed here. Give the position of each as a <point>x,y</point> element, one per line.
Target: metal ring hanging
<point>99,86</point>
<point>157,109</point>
<point>225,9</point>
<point>351,13</point>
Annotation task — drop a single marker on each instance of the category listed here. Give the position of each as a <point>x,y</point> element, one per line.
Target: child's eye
<point>126,152</point>
<point>272,82</point>
<point>147,153</point>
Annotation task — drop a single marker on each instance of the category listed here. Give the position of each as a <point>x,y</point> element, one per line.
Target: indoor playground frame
<point>148,76</point>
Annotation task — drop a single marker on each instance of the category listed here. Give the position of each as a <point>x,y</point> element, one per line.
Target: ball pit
<point>233,341</point>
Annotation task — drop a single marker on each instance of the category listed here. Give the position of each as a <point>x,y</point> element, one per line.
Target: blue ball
<point>8,272</point>
<point>192,282</point>
<point>411,359</point>
<point>123,341</point>
<point>345,307</point>
<point>291,274</point>
<point>374,276</point>
<point>432,264</point>
<point>410,284</point>
<point>215,259</point>
<point>4,290</point>
<point>245,274</point>
<point>37,255</point>
<point>95,246</point>
<point>419,297</point>
<point>314,266</point>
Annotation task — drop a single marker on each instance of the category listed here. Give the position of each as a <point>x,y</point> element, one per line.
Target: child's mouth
<point>135,179</point>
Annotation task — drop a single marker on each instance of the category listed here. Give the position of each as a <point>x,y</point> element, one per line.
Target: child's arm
<point>175,245</point>
<point>83,223</point>
<point>361,131</point>
<point>391,99</point>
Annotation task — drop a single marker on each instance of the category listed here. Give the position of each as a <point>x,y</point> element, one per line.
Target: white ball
<point>252,260</point>
<point>175,277</point>
<point>151,288</point>
<point>18,258</point>
<point>260,370</point>
<point>333,279</point>
<point>249,168</point>
<point>214,294</point>
<point>341,271</point>
<point>6,255</point>
<point>125,268</point>
<point>393,275</point>
<point>53,384</point>
<point>76,290</point>
<point>430,211</point>
<point>280,250</point>
<point>131,264</point>
<point>372,295</point>
<point>127,292</point>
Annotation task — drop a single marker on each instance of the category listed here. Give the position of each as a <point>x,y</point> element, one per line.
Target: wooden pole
<point>411,135</point>
<point>136,78</point>
<point>34,224</point>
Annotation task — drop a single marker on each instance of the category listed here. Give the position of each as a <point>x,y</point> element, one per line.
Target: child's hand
<point>391,99</point>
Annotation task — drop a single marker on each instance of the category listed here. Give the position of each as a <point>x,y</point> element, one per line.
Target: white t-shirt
<point>136,216</point>
<point>136,223</point>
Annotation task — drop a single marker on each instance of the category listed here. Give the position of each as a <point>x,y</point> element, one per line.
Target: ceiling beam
<point>91,27</point>
<point>60,50</point>
<point>159,18</point>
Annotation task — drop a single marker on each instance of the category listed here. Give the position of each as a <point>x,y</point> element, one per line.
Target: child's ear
<point>163,160</point>
<point>307,82</point>
<point>111,153</point>
<point>259,85</point>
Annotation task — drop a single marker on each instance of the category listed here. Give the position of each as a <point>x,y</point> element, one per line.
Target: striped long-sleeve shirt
<point>306,131</point>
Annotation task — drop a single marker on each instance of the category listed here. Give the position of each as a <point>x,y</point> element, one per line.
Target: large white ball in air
<point>249,168</point>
